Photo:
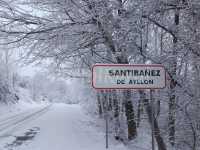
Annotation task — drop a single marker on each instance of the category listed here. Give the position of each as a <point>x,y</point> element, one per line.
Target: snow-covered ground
<point>30,125</point>
<point>61,127</point>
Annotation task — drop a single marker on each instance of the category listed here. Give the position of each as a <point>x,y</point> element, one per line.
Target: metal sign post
<point>107,117</point>
<point>152,119</point>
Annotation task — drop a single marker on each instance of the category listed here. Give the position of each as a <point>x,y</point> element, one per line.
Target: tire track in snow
<point>18,119</point>
<point>11,118</point>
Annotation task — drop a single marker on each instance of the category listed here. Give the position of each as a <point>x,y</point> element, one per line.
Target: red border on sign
<point>127,65</point>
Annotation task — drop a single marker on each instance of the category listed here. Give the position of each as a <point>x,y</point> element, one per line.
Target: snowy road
<point>13,122</point>
<point>64,127</point>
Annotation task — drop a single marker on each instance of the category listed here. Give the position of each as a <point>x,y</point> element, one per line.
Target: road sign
<point>125,76</point>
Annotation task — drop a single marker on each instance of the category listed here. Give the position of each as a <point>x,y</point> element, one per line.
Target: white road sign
<point>121,76</point>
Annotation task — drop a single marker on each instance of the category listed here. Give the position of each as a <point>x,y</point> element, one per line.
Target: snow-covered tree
<point>72,35</point>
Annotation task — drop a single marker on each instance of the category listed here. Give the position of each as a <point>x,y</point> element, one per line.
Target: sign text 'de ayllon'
<point>121,76</point>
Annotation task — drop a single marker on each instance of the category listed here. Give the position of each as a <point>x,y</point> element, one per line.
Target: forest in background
<point>72,35</point>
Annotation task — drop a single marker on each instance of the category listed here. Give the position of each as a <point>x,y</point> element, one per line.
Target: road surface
<point>59,127</point>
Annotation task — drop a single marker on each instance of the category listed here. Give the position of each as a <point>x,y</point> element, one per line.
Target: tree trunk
<point>116,110</point>
<point>139,111</point>
<point>130,115</point>
<point>158,137</point>
<point>121,59</point>
<point>99,104</point>
<point>172,99</point>
<point>110,101</point>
